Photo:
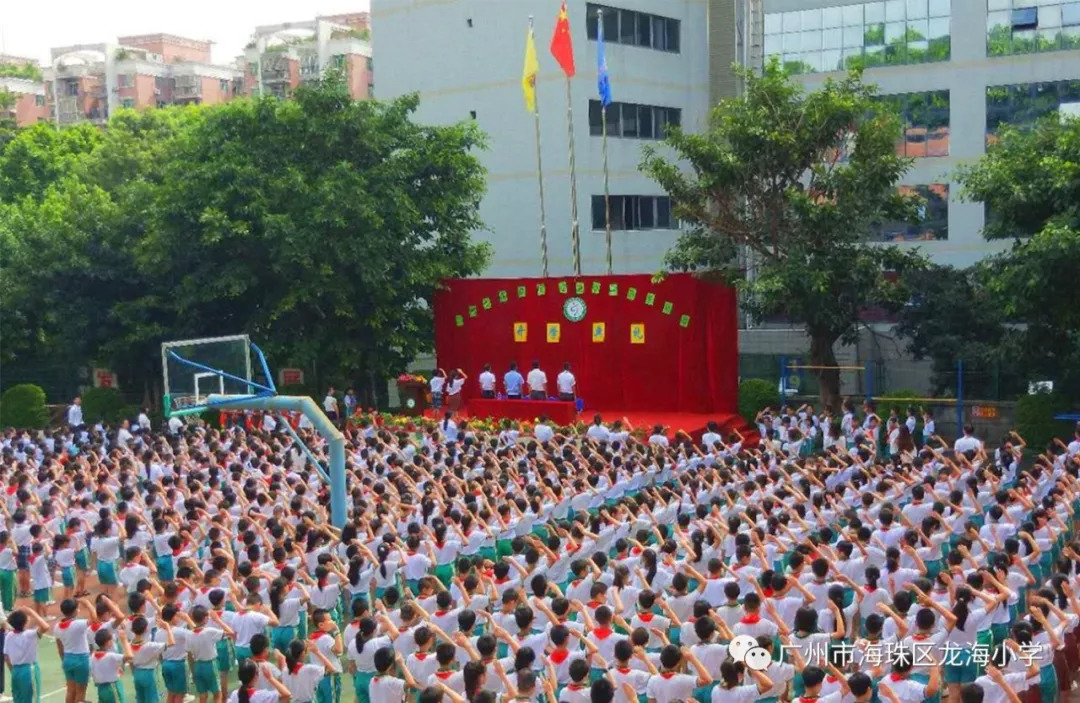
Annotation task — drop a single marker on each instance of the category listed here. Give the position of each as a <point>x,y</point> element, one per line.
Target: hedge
<point>1034,419</point>
<point>756,394</point>
<point>23,406</point>
<point>104,404</point>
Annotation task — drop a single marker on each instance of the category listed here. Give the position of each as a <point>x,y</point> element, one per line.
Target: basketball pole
<point>302,404</point>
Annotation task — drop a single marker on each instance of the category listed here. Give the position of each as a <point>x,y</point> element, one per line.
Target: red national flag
<point>562,47</point>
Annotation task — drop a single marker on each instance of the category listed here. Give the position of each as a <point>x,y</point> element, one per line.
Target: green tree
<point>321,226</point>
<point>797,180</point>
<point>954,315</point>
<point>1030,182</point>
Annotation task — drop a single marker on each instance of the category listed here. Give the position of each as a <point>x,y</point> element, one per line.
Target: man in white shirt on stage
<point>537,381</point>
<point>487,382</point>
<point>566,383</point>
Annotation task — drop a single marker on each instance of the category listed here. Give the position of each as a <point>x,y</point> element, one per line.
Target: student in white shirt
<point>455,385</point>
<point>107,664</point>
<point>537,381</point>
<point>670,685</point>
<point>71,640</point>
<point>384,687</point>
<point>487,382</point>
<point>566,383</point>
<point>249,673</point>
<point>303,679</point>
<point>438,386</point>
<point>330,405</point>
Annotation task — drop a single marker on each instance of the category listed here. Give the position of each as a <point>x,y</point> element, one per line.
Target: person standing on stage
<point>513,381</point>
<point>537,382</point>
<point>454,386</point>
<point>566,383</point>
<point>438,386</point>
<point>487,382</point>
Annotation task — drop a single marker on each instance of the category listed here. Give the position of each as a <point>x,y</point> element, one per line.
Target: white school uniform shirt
<point>638,680</point>
<point>248,625</point>
<point>386,689</point>
<point>40,575</point>
<point>146,654</point>
<point>202,642</point>
<point>330,403</point>
<point>21,647</point>
<point>105,667</point>
<point>131,574</point>
<point>303,681</point>
<point>365,660</point>
<point>257,696</point>
<point>670,686</point>
<point>487,381</point>
<point>437,383</point>
<point>72,635</point>
<point>325,642</point>
<point>747,693</point>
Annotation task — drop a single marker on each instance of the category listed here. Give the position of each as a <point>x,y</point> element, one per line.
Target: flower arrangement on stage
<point>411,378</point>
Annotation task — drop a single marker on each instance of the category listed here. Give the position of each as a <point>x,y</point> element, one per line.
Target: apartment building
<point>87,81</point>
<point>281,57</point>
<point>22,91</point>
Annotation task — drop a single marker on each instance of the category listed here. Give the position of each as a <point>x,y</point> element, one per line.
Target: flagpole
<point>540,177</point>
<point>574,233</point>
<point>603,132</point>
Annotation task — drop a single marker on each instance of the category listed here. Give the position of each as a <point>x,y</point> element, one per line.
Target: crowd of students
<point>488,568</point>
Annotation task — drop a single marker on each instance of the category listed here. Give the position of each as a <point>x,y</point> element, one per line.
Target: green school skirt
<point>224,655</point>
<point>111,692</point>
<point>205,675</point>
<point>76,668</point>
<point>106,572</point>
<point>280,637</point>
<point>146,690</point>
<point>26,683</point>
<point>362,686</point>
<point>174,674</point>
<point>7,589</point>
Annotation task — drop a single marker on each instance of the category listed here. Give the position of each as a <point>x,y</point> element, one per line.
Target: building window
<point>39,100</point>
<point>633,28</point>
<point>634,212</point>
<point>73,89</point>
<point>636,121</point>
<point>925,119</point>
<point>933,220</point>
<point>876,33</point>
<point>369,64</point>
<point>125,80</point>
<point>223,84</point>
<point>1031,26</point>
<point>128,102</point>
<point>1021,105</point>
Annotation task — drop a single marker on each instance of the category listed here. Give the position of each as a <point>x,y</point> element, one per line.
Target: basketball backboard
<point>193,369</point>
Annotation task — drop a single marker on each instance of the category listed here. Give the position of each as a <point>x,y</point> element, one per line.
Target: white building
<point>465,59</point>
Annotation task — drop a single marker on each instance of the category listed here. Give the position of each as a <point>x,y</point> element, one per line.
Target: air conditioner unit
<point>157,91</point>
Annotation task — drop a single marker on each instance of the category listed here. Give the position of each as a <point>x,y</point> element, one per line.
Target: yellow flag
<point>599,329</point>
<point>528,76</point>
<point>521,331</point>
<point>554,332</point>
<point>637,333</point>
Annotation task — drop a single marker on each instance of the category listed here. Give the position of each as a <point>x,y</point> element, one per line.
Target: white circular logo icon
<point>575,309</point>
<point>744,649</point>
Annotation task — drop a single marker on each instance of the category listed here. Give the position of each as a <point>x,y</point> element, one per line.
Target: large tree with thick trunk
<point>781,192</point>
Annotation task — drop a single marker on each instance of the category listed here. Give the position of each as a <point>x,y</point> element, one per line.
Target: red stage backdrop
<point>633,344</point>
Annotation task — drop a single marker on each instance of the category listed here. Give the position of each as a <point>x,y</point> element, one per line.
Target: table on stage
<point>560,412</point>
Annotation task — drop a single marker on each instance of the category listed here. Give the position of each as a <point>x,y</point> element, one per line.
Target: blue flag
<point>603,81</point>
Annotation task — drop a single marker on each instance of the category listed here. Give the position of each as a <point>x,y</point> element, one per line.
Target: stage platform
<point>692,423</point>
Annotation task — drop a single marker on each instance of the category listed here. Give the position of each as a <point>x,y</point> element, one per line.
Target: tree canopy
<point>321,226</point>
<point>797,181</point>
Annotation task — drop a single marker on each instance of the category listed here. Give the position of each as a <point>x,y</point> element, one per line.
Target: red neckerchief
<point>99,655</point>
<point>594,604</point>
<point>296,668</point>
<point>831,679</point>
<point>636,550</point>
<point>870,589</point>
<point>559,655</point>
<point>623,669</point>
<point>444,674</point>
<point>575,686</point>
<point>896,677</point>
<point>602,633</point>
<point>769,593</point>
<point>920,636</point>
<point>316,635</point>
<point>66,623</point>
<point>667,674</point>
<point>645,617</point>
<point>751,619</point>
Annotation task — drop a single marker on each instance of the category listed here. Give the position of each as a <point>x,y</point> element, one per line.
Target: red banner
<point>632,344</point>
